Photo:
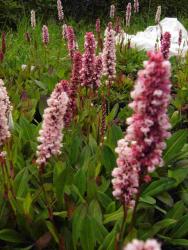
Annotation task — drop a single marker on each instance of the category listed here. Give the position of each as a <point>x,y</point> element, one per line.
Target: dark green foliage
<point>12,10</point>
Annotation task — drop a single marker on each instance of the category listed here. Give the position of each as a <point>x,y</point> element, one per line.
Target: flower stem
<point>47,203</point>
<point>123,225</point>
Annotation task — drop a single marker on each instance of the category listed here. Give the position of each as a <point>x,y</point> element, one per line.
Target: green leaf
<point>159,186</point>
<point>115,134</point>
<point>77,223</point>
<point>62,214</point>
<point>99,230</point>
<point>92,144</point>
<point>80,181</point>
<point>74,149</point>
<point>175,118</point>
<point>174,145</point>
<point>177,211</point>
<point>77,192</point>
<point>62,176</point>
<point>108,158</point>
<point>109,241</point>
<point>87,236</point>
<point>27,129</point>
<point>178,174</point>
<point>113,216</point>
<point>179,242</point>
<point>104,199</point>
<point>27,203</point>
<point>181,228</point>
<point>10,235</point>
<point>113,113</point>
<point>148,200</point>
<point>52,230</point>
<point>95,211</point>
<point>21,182</point>
<point>166,198</point>
<point>40,84</point>
<point>163,224</point>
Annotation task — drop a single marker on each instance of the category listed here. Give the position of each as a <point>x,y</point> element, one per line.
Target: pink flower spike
<point>33,19</point>
<point>71,40</point>
<point>60,10</point>
<point>98,72</point>
<point>140,151</point>
<point>88,61</point>
<point>76,68</point>
<point>50,135</point>
<point>112,11</point>
<point>165,45</point>
<point>4,114</point>
<point>75,80</point>
<point>45,35</point>
<point>71,104</point>
<point>128,14</point>
<point>158,15</point>
<point>136,6</point>
<point>109,54</point>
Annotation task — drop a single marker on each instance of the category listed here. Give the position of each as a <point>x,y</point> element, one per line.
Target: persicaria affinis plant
<point>45,35</point>
<point>140,151</point>
<point>50,135</point>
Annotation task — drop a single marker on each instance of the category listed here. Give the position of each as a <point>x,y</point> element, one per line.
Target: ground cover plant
<point>93,143</point>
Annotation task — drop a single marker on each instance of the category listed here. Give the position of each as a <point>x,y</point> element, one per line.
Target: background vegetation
<point>12,10</point>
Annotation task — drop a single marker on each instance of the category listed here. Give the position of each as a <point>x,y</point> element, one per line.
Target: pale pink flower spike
<point>140,151</point>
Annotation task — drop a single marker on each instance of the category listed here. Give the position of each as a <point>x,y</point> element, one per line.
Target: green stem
<point>123,225</point>
<point>134,212</point>
<point>47,203</point>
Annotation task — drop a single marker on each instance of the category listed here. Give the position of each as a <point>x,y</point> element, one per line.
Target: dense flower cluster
<point>97,72</point>
<point>158,15</point>
<point>75,81</point>
<point>33,19</point>
<point>4,114</point>
<point>165,45</point>
<point>88,61</point>
<point>140,151</point>
<point>112,11</point>
<point>60,10</point>
<point>136,6</point>
<point>71,103</point>
<point>109,54</point>
<point>71,39</point>
<point>53,122</point>
<point>76,68</point>
<point>141,245</point>
<point>128,14</point>
<point>45,35</point>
